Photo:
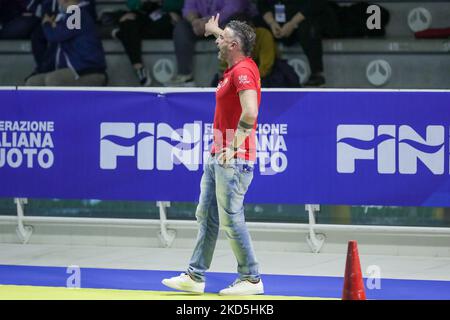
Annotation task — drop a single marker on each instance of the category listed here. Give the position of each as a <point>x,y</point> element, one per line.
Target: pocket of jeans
<point>245,177</point>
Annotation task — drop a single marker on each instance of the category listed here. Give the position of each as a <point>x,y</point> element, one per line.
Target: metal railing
<point>315,238</point>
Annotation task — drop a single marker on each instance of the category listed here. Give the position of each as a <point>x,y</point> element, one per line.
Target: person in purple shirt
<point>187,31</point>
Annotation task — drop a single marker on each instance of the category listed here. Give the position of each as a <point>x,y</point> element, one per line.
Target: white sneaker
<point>114,33</point>
<point>144,77</point>
<point>184,283</point>
<point>181,80</point>
<point>243,288</point>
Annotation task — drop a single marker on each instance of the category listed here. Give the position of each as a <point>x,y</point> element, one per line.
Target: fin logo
<point>155,146</point>
<point>395,149</point>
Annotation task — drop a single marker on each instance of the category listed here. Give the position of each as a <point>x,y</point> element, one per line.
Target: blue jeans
<point>222,199</point>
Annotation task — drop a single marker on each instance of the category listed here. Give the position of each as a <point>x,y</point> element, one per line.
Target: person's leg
<point>129,36</point>
<point>91,80</point>
<point>232,183</point>
<point>308,34</point>
<point>184,41</point>
<point>309,37</point>
<point>66,77</point>
<point>208,221</point>
<point>131,33</point>
<point>60,77</point>
<point>37,80</point>
<point>39,46</point>
<point>19,28</point>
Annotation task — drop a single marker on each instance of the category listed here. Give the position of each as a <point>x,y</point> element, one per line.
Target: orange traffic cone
<point>353,281</point>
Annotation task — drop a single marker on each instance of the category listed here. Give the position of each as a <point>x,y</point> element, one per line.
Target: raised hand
<point>212,26</point>
<point>225,156</point>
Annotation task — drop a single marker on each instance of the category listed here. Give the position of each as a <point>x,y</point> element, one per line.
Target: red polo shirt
<point>244,75</point>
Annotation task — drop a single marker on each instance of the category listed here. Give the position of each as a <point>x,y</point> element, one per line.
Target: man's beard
<point>222,55</point>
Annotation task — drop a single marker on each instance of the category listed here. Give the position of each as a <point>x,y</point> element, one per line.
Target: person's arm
<point>266,11</point>
<point>274,26</point>
<point>292,24</point>
<point>30,7</point>
<point>58,32</point>
<point>297,19</point>
<point>191,16</point>
<point>212,27</point>
<point>231,8</point>
<point>48,19</point>
<point>269,18</point>
<point>249,103</point>
<point>128,16</point>
<point>190,12</point>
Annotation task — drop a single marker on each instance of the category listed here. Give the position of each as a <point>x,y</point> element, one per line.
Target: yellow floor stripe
<point>58,293</point>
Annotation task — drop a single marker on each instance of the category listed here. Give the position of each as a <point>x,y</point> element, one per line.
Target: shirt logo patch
<point>243,79</point>
<point>222,84</point>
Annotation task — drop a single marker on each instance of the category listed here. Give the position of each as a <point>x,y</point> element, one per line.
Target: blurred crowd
<point>65,55</point>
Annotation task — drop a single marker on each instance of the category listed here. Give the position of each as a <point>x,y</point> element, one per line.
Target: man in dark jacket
<point>43,51</point>
<point>297,21</point>
<point>79,56</point>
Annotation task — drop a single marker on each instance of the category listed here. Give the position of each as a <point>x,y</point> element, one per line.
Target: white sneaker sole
<point>242,293</point>
<point>172,285</point>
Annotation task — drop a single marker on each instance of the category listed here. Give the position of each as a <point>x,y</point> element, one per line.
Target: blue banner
<point>327,147</point>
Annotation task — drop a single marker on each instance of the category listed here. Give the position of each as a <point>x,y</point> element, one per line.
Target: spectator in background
<point>293,21</point>
<point>79,59</point>
<point>17,19</point>
<point>150,19</point>
<point>274,71</point>
<point>43,51</point>
<point>196,14</point>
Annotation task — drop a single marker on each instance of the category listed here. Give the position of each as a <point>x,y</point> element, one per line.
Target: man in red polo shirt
<point>229,171</point>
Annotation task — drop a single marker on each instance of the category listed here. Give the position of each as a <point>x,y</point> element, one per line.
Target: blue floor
<point>284,285</point>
